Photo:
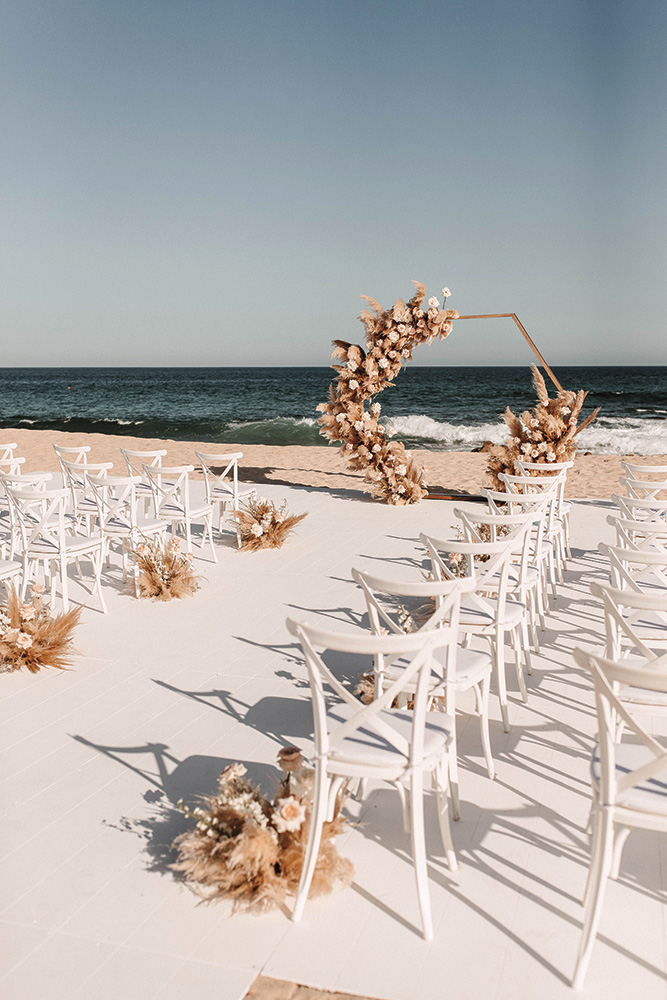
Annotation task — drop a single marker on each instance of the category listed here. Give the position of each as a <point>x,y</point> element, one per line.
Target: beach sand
<point>593,476</point>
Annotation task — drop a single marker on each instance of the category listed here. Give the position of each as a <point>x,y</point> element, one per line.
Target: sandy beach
<point>593,476</point>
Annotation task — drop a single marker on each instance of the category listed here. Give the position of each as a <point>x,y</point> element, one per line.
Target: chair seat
<point>174,510</point>
<point>219,495</point>
<point>145,526</point>
<point>44,548</point>
<point>9,568</point>
<point>472,666</point>
<point>473,616</point>
<point>651,795</point>
<point>368,746</point>
<point>531,576</point>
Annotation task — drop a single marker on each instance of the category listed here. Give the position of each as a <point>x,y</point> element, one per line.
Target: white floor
<point>164,695</point>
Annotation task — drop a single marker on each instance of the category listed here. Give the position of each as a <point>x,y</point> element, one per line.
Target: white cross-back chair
<point>525,576</point>
<point>644,534</point>
<point>551,488</point>
<point>645,481</point>
<point>118,517</point>
<point>71,453</point>
<point>82,499</point>
<point>41,516</point>
<point>501,502</point>
<point>635,621</point>
<point>640,508</point>
<point>643,570</point>
<point>7,450</point>
<point>629,781</point>
<point>491,617</point>
<point>172,502</point>
<point>454,669</point>
<point>221,480</point>
<point>135,462</point>
<point>559,469</point>
<point>375,741</point>
<point>28,481</point>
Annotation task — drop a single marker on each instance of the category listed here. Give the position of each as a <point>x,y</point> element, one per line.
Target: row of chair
<point>629,763</point>
<point>489,583</point>
<point>51,528</point>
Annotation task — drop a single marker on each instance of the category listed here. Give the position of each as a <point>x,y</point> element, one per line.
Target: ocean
<point>438,408</point>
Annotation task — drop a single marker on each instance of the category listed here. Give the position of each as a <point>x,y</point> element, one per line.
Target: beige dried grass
<point>262,525</point>
<point>164,572</point>
<point>391,335</point>
<point>32,638</point>
<point>241,850</point>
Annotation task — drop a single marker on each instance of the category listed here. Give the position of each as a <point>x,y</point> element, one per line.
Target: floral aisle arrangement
<point>544,434</point>
<point>31,637</point>
<point>163,571</point>
<point>391,336</point>
<point>249,849</point>
<point>262,525</point>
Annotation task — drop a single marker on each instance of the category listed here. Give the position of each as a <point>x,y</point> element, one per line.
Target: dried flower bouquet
<point>544,434</point>
<point>249,849</point>
<point>262,525</point>
<point>163,571</point>
<point>391,336</point>
<point>31,637</point>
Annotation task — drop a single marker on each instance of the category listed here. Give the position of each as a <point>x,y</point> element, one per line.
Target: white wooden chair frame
<point>171,502</point>
<point>222,487</point>
<point>135,462</point>
<point>28,481</point>
<point>82,498</point>
<point>616,811</point>
<point>631,534</point>
<point>338,757</point>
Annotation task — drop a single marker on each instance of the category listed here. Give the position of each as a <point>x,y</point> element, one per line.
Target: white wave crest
<point>624,436</point>
<point>450,436</point>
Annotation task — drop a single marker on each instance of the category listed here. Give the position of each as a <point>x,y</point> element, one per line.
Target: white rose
<point>256,530</point>
<point>393,336</point>
<point>340,418</point>
<point>375,408</point>
<point>353,383</point>
<point>433,303</point>
<point>383,363</point>
<point>401,470</point>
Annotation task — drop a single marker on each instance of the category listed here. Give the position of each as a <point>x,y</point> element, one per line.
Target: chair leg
<point>209,528</point>
<point>526,647</point>
<point>621,837</point>
<point>482,700</point>
<point>499,649</point>
<point>63,583</point>
<point>318,816</point>
<point>600,867</point>
<point>518,663</point>
<point>439,780</point>
<point>419,851</point>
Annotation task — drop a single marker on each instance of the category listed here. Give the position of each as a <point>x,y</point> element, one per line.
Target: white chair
<point>551,488</point>
<point>635,621</point>
<point>629,782</point>
<point>84,506</point>
<point>491,617</point>
<point>74,453</point>
<point>118,520</point>
<point>644,534</point>
<point>172,502</point>
<point>135,461</point>
<point>10,570</point>
<point>221,480</point>
<point>501,502</point>
<point>526,569</point>
<point>453,670</point>
<point>7,450</point>
<point>642,570</point>
<point>355,741</point>
<point>27,481</point>
<point>559,469</point>
<point>640,508</point>
<point>41,516</point>
<point>645,481</point>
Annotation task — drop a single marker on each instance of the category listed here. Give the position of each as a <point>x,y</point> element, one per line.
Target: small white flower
<point>353,383</point>
<point>289,815</point>
<point>393,336</point>
<point>256,530</point>
<point>340,418</point>
<point>405,353</point>
<point>401,328</point>
<point>401,470</point>
<point>358,425</point>
<point>352,365</point>
<point>401,489</point>
<point>383,363</point>
<point>23,640</point>
<point>446,293</point>
<point>433,303</point>
<point>375,408</point>
<point>377,448</point>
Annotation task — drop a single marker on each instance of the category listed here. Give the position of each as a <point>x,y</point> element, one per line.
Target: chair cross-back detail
<point>172,503</point>
<point>221,479</point>
<point>375,741</point>
<point>629,788</point>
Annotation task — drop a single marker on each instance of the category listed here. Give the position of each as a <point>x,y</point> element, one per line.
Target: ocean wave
<point>420,429</point>
<point>624,436</point>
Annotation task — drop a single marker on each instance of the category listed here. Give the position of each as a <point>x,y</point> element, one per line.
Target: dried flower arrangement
<point>249,849</point>
<point>262,525</point>
<point>391,336</point>
<point>163,571</point>
<point>30,637</point>
<point>544,434</point>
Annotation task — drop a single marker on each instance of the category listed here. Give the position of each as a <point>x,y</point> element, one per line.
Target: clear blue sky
<point>217,182</point>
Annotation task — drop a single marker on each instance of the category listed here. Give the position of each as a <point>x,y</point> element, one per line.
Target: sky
<point>216,183</point>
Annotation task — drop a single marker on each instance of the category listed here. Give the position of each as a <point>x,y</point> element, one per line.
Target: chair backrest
<point>11,465</point>
<point>501,502</point>
<point>172,494</point>
<point>414,650</point>
<point>478,524</point>
<point>116,499</point>
<point>221,475</point>
<point>27,480</point>
<point>636,569</point>
<point>610,677</point>
<point>40,516</point>
<point>640,508</point>
<point>136,460</point>
<point>76,478</point>
<point>67,453</point>
<point>624,611</point>
<point>7,450</point>
<point>632,534</point>
<point>643,472</point>
<point>532,484</point>
<point>645,488</point>
<point>543,468</point>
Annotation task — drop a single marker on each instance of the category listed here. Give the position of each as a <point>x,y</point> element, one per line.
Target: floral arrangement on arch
<point>31,637</point>
<point>262,525</point>
<point>391,336</point>
<point>163,572</point>
<point>249,849</point>
<point>544,434</point>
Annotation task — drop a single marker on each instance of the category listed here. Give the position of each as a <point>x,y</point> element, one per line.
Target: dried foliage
<point>164,572</point>
<point>30,637</point>
<point>250,850</point>
<point>262,525</point>
<point>544,434</point>
<point>391,336</point>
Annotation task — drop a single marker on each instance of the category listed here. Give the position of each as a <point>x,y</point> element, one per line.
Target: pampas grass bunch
<point>249,849</point>
<point>391,335</point>
<point>31,638</point>
<point>544,434</point>
<point>163,571</point>
<point>262,525</point>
